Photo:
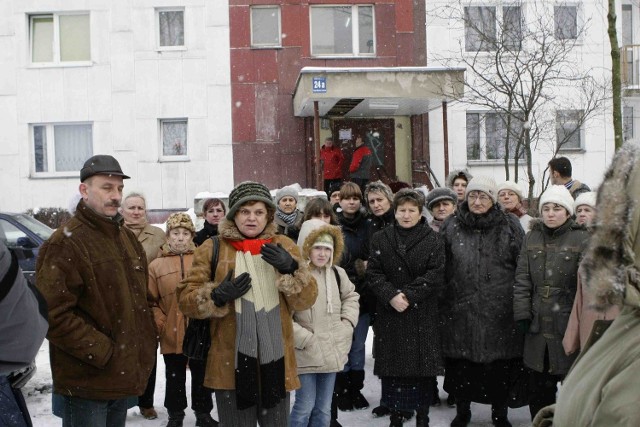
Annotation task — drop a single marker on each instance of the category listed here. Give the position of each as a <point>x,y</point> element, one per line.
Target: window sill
<point>54,175</point>
<point>171,49</point>
<point>370,56</point>
<point>572,150</point>
<point>266,47</point>
<point>170,159</point>
<point>39,65</point>
<point>494,162</point>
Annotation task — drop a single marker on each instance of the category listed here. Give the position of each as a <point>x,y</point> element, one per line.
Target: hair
<point>378,187</point>
<point>329,139</point>
<point>318,206</point>
<point>562,165</point>
<point>408,195</point>
<point>271,212</point>
<point>213,202</point>
<point>130,195</point>
<point>350,189</point>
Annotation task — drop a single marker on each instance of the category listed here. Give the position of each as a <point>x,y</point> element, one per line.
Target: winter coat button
<point>90,356</point>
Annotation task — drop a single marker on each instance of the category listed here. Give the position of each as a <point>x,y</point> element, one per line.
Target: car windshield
<point>34,225</point>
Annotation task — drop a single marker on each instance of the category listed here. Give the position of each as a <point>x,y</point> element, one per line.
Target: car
<point>24,235</point>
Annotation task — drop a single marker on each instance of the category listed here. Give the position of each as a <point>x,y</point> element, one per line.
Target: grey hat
<point>458,173</point>
<point>101,164</point>
<point>486,184</point>
<point>286,191</point>
<point>245,192</point>
<point>438,194</point>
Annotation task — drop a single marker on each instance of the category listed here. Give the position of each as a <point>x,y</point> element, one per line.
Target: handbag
<point>197,337</point>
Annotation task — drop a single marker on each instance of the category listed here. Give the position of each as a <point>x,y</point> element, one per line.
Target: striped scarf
<point>288,219</point>
<point>260,373</point>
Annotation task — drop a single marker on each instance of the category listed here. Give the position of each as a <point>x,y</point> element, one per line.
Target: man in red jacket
<point>332,159</point>
<point>360,166</point>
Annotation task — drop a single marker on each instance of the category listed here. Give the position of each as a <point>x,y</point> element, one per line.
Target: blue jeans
<point>11,403</point>
<point>312,407</point>
<point>356,354</point>
<point>78,412</point>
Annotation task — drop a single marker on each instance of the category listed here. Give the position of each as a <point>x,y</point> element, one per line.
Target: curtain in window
<point>480,28</point>
<point>174,138</point>
<point>74,38</point>
<point>171,28</point>
<point>42,39</point>
<point>73,146</point>
<point>566,22</point>
<point>40,148</point>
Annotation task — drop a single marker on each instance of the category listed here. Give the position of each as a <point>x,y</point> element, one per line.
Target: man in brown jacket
<point>93,275</point>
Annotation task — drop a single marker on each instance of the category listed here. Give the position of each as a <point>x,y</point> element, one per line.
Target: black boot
<point>203,419</point>
<point>334,412</point>
<point>451,401</point>
<point>436,394</point>
<point>396,419</point>
<point>356,383</point>
<point>422,417</point>
<point>463,413</point>
<point>175,418</point>
<point>499,415</point>
<point>380,411</point>
<point>341,392</point>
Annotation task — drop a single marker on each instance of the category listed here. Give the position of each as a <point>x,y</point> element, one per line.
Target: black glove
<point>231,289</point>
<point>279,258</point>
<point>523,325</point>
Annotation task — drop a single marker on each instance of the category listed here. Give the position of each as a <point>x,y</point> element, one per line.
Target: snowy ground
<point>38,396</point>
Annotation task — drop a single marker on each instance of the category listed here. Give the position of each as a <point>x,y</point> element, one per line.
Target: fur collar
<point>338,241</point>
<point>228,230</point>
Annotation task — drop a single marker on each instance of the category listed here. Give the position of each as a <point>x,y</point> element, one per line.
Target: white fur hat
<point>510,185</point>
<point>588,198</point>
<point>486,184</point>
<point>559,195</point>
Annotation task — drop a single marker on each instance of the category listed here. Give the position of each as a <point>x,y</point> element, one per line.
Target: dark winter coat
<point>477,304</point>
<point>102,338</point>
<point>546,280</point>
<point>207,232</point>
<point>356,240</point>
<point>377,223</point>
<point>408,343</point>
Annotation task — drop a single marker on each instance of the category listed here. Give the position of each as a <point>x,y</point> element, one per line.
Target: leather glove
<point>279,258</point>
<point>231,289</point>
<point>523,325</point>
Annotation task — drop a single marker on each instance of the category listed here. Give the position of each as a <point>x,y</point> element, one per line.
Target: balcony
<point>630,70</point>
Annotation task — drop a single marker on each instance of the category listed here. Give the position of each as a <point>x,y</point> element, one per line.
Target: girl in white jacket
<point>324,332</point>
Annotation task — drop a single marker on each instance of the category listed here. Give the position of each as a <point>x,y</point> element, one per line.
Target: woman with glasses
<point>479,338</point>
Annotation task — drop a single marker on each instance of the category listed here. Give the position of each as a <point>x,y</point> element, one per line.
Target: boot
<point>499,415</point>
<point>148,413</point>
<point>380,411</point>
<point>204,419</point>
<point>341,392</point>
<point>436,394</point>
<point>463,414</point>
<point>356,383</point>
<point>396,419</point>
<point>175,418</point>
<point>334,412</point>
<point>422,417</point>
<point>451,401</point>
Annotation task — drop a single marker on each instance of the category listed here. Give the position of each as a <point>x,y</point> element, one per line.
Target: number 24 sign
<point>319,85</point>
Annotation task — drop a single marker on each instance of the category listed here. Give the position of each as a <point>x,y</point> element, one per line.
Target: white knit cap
<point>510,185</point>
<point>588,198</point>
<point>559,195</point>
<point>486,184</point>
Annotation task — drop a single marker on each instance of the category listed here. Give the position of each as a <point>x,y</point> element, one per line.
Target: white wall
<point>129,86</point>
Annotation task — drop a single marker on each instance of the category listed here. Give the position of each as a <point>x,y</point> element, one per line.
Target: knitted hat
<point>245,192</point>
<point>438,194</point>
<point>588,198</point>
<point>286,191</point>
<point>380,187</point>
<point>486,184</point>
<point>325,240</point>
<point>559,195</point>
<point>458,173</point>
<point>510,185</point>
<point>180,219</point>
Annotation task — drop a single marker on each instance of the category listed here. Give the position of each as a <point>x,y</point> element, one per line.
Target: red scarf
<point>253,246</point>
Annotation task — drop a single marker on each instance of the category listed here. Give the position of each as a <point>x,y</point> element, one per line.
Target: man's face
<point>134,210</point>
<point>328,143</point>
<point>103,193</point>
<point>359,141</point>
<point>555,177</point>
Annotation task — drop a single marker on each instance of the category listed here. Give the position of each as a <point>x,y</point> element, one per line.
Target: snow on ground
<point>38,396</point>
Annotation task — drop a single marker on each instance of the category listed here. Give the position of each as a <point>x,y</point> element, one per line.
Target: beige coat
<point>324,332</point>
<point>152,239</point>
<point>165,273</point>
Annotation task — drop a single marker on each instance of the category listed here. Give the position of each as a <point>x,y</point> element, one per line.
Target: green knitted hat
<point>245,192</point>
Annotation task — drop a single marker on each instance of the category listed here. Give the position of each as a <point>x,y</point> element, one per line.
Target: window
<point>170,29</point>
<point>173,139</point>
<point>568,129</point>
<point>342,31</point>
<point>60,39</point>
<point>487,136</point>
<point>481,28</point>
<point>627,122</point>
<point>265,26</point>
<point>566,22</point>
<point>61,148</point>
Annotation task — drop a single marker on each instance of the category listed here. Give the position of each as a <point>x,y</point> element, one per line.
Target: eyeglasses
<point>483,198</point>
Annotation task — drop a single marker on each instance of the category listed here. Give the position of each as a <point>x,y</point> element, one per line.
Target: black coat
<point>208,231</point>
<point>407,344</point>
<point>477,304</point>
<point>356,241</point>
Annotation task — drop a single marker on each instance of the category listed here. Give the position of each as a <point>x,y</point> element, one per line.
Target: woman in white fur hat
<point>585,207</point>
<point>510,198</point>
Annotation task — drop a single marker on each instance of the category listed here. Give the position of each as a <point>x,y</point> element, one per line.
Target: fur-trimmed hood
<point>612,260</point>
<point>463,173</point>
<point>309,233</point>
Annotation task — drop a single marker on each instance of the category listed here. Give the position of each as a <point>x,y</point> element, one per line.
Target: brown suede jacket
<point>93,274</point>
<point>298,292</point>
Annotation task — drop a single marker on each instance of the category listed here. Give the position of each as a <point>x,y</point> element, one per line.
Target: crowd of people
<point>461,281</point>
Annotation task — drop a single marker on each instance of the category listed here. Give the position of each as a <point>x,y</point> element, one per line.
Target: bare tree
<point>524,71</point>
<point>616,85</point>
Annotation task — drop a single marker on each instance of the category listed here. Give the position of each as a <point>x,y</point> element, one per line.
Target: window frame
<point>579,21</point>
<point>168,157</point>
<point>483,137</point>
<point>265,45</point>
<point>56,61</point>
<point>499,26</point>
<point>157,12</point>
<point>51,149</point>
<point>355,32</point>
<point>580,132</point>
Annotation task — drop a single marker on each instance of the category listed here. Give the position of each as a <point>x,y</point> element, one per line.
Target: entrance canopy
<point>375,91</point>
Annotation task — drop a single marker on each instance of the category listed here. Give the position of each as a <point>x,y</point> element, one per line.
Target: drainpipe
<point>316,146</point>
<point>445,135</point>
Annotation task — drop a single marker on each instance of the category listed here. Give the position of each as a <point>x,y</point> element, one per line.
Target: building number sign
<point>319,85</point>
